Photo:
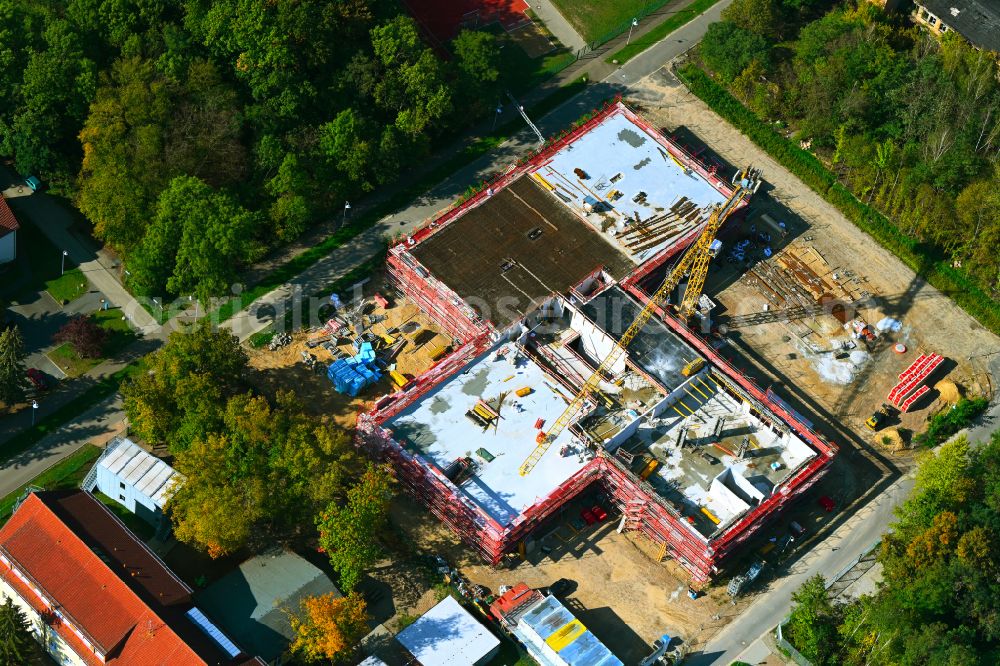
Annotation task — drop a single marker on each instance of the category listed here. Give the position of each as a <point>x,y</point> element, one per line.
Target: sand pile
<point>948,391</point>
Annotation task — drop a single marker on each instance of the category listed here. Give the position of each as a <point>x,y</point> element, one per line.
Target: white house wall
<point>53,643</point>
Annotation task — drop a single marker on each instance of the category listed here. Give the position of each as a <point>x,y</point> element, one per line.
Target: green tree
<point>143,130</point>
<point>12,368</point>
<point>186,384</point>
<point>271,464</point>
<point>17,645</point>
<point>58,84</point>
<point>477,58</point>
<point>812,624</point>
<point>728,49</point>
<point>124,169</point>
<point>348,531</point>
<point>197,242</point>
<point>761,17</point>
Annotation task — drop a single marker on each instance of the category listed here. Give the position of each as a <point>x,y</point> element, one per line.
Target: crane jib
<point>696,259</point>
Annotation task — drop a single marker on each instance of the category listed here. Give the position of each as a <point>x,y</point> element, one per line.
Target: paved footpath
<point>56,222</point>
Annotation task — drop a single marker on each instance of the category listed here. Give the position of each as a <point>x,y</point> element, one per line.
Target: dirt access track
<point>930,321</point>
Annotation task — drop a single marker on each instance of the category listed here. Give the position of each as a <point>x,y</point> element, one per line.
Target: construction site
<point>569,377</point>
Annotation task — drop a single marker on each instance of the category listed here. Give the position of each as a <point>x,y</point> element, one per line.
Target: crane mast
<point>695,260</point>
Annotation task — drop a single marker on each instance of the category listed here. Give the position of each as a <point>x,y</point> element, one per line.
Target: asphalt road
<point>99,422</point>
<point>829,557</point>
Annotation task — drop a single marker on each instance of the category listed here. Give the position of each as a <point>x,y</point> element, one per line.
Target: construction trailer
<point>548,630</point>
<point>536,290</point>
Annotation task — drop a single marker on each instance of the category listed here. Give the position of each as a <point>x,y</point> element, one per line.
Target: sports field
<point>594,19</point>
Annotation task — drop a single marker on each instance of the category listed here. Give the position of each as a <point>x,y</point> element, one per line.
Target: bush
<point>925,261</point>
<point>85,335</point>
<point>947,423</point>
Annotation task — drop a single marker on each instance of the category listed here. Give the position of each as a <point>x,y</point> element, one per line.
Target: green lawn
<point>70,362</point>
<point>67,287</point>
<point>134,523</point>
<point>119,336</point>
<point>67,473</point>
<point>598,19</point>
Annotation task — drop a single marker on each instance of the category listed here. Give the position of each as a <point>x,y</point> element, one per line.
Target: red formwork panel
<point>914,376</point>
<point>909,402</point>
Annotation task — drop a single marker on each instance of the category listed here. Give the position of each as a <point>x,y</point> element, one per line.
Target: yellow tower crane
<point>694,260</point>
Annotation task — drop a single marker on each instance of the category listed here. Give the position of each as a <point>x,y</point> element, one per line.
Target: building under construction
<point>536,277</point>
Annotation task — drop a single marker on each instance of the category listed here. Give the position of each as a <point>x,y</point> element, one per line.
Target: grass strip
<point>640,44</point>
<point>67,287</point>
<point>473,151</point>
<point>67,473</point>
<point>926,261</point>
<point>104,387</point>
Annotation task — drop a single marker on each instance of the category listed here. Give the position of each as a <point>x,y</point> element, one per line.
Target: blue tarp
<point>352,375</point>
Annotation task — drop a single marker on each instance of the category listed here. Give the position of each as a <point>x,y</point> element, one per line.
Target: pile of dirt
<point>948,391</point>
<point>890,440</point>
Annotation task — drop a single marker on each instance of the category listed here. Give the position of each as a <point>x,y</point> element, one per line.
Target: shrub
<point>947,423</point>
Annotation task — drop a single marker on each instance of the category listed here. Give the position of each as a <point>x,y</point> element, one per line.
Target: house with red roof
<point>8,233</point>
<point>96,594</point>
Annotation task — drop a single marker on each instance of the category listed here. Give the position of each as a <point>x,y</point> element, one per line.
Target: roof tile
<point>8,222</point>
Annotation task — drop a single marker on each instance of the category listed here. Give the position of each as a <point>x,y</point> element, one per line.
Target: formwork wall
<point>799,480</point>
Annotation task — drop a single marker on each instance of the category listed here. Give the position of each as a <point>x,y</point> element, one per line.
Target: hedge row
<point>925,261</point>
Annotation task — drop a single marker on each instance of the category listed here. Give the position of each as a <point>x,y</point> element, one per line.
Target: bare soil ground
<point>286,369</point>
<point>807,364</point>
<point>623,595</point>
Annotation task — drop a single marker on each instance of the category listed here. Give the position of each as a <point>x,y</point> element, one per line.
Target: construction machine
<point>878,419</point>
<point>694,262</point>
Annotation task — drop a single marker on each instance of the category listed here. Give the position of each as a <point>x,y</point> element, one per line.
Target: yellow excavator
<point>694,261</point>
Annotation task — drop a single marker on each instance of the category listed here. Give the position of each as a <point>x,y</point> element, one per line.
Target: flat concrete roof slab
<point>437,426</point>
<point>619,149</point>
<point>656,350</point>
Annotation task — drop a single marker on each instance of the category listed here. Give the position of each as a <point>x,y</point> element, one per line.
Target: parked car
<point>39,380</point>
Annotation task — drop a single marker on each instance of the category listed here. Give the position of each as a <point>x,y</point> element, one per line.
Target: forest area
<point>907,122</point>
<point>938,600</point>
<point>197,135</point>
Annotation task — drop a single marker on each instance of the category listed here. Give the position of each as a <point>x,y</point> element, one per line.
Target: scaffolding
<point>642,508</point>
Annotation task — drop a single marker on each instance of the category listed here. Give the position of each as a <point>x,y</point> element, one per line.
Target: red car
<point>38,379</point>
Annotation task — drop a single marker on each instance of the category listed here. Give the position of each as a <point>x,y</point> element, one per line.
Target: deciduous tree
<point>85,336</point>
<point>348,530</point>
<point>728,49</point>
<point>328,627</point>
<point>185,386</point>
